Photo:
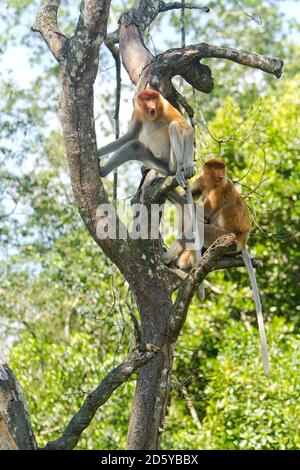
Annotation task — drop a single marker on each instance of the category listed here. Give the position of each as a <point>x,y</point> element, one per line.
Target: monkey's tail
<point>196,234</point>
<point>260,320</point>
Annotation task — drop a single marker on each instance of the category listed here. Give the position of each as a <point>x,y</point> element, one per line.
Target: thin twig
<point>257,18</point>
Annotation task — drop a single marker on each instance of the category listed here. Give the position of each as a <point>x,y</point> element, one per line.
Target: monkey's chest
<point>212,206</point>
<point>156,138</point>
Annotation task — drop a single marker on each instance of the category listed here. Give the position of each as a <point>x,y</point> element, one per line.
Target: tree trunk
<point>154,379</point>
<point>15,427</point>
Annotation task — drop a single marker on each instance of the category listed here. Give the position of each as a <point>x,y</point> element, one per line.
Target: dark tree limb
<point>185,62</point>
<point>228,262</point>
<point>178,5</point>
<point>15,426</point>
<point>176,275</point>
<point>82,419</point>
<point>178,59</point>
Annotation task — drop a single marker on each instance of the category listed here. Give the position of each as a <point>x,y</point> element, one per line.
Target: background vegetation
<point>64,309</point>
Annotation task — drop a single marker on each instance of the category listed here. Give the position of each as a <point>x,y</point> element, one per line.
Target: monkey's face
<point>215,171</point>
<point>150,102</point>
<point>215,175</point>
<point>150,108</point>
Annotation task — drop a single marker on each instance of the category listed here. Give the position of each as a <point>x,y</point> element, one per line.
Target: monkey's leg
<point>186,260</point>
<point>176,162</point>
<point>132,134</point>
<point>174,251</point>
<point>211,233</point>
<point>134,150</point>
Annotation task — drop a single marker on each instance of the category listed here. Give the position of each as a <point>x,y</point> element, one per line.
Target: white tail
<point>260,320</point>
<point>196,234</point>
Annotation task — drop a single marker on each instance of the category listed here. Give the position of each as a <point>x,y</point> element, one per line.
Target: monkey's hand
<point>189,170</point>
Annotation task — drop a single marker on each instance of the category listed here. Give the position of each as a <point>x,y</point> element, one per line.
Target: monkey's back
<point>233,215</point>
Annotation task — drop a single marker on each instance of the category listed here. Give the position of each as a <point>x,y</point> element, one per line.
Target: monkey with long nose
<point>225,212</point>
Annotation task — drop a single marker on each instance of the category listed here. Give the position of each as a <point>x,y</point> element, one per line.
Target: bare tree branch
<point>228,262</point>
<point>176,61</point>
<point>176,275</point>
<point>82,419</point>
<point>190,405</point>
<point>114,50</point>
<point>46,25</point>
<point>177,5</point>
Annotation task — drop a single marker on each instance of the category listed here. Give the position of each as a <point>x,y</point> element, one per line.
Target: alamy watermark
<point>151,222</point>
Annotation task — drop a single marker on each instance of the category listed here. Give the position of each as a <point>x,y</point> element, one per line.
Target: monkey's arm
<point>133,133</point>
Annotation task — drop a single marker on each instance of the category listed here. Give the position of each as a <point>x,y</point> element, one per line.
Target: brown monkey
<point>158,136</point>
<point>225,212</point>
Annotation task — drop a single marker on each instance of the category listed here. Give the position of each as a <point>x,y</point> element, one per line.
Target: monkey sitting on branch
<point>158,136</point>
<point>225,212</point>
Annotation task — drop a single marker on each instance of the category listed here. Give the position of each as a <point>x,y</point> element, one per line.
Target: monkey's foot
<point>189,171</point>
<point>180,177</point>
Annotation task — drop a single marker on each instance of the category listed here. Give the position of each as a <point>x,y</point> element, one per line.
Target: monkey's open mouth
<point>152,112</point>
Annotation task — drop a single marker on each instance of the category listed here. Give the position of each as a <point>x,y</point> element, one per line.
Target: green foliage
<point>59,375</point>
<point>243,409</point>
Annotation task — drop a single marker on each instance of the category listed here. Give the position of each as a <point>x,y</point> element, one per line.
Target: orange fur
<point>224,211</point>
<point>186,260</point>
<point>158,136</point>
<point>223,205</point>
<point>151,101</point>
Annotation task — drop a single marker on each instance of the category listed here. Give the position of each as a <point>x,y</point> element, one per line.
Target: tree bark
<point>154,379</point>
<point>15,427</point>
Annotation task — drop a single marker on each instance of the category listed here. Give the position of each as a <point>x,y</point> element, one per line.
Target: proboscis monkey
<point>158,136</point>
<point>225,212</point>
